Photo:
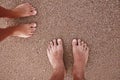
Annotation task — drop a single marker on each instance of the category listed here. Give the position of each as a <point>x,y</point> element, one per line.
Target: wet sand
<point>97,22</point>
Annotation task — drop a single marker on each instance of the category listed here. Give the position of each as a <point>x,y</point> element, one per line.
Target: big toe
<point>33,25</point>
<point>59,41</point>
<point>74,42</point>
<point>33,12</point>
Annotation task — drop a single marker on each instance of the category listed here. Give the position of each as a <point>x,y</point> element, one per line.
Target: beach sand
<point>96,22</point>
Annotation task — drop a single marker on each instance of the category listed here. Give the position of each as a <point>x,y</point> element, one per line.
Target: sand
<point>97,22</point>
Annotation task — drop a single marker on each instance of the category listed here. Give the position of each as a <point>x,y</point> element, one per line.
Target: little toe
<point>59,41</point>
<point>48,52</point>
<point>74,42</point>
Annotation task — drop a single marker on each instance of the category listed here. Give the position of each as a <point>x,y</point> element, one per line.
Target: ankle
<point>60,69</point>
<point>7,13</point>
<point>58,74</point>
<point>78,73</point>
<point>8,31</point>
<point>11,14</point>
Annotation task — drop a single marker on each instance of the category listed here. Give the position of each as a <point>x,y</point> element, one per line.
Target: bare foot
<point>24,30</point>
<point>80,53</point>
<point>55,54</point>
<point>24,10</point>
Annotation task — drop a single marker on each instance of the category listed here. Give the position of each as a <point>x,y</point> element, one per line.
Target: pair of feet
<point>80,53</point>
<point>55,48</point>
<point>23,30</point>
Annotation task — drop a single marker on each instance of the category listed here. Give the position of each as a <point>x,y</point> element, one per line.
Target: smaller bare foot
<point>24,30</point>
<point>80,53</point>
<point>55,54</point>
<point>24,10</point>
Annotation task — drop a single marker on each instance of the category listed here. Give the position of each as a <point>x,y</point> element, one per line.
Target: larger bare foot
<point>80,53</point>
<point>24,10</point>
<point>55,54</point>
<point>24,30</point>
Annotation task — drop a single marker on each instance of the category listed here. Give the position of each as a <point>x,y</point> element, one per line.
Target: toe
<point>26,35</point>
<point>74,42</point>
<point>51,44</point>
<point>82,43</point>
<point>79,41</point>
<point>84,46</point>
<point>31,33</point>
<point>33,29</point>
<point>87,54</point>
<point>59,41</point>
<point>87,49</point>
<point>54,41</point>
<point>48,52</point>
<point>33,25</point>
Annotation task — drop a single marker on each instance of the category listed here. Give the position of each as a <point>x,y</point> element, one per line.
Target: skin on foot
<point>24,30</point>
<point>24,10</point>
<point>80,53</point>
<point>55,54</point>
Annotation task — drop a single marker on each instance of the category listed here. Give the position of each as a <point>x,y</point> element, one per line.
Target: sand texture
<point>97,22</point>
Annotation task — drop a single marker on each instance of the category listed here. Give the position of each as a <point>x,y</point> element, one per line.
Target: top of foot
<point>80,52</point>
<point>24,30</point>
<point>55,53</point>
<point>24,10</point>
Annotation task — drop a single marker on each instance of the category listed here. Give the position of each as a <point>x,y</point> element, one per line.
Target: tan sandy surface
<point>97,22</point>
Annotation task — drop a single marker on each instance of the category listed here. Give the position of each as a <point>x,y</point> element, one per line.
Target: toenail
<point>74,40</point>
<point>59,40</point>
<point>33,12</point>
<point>33,25</point>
